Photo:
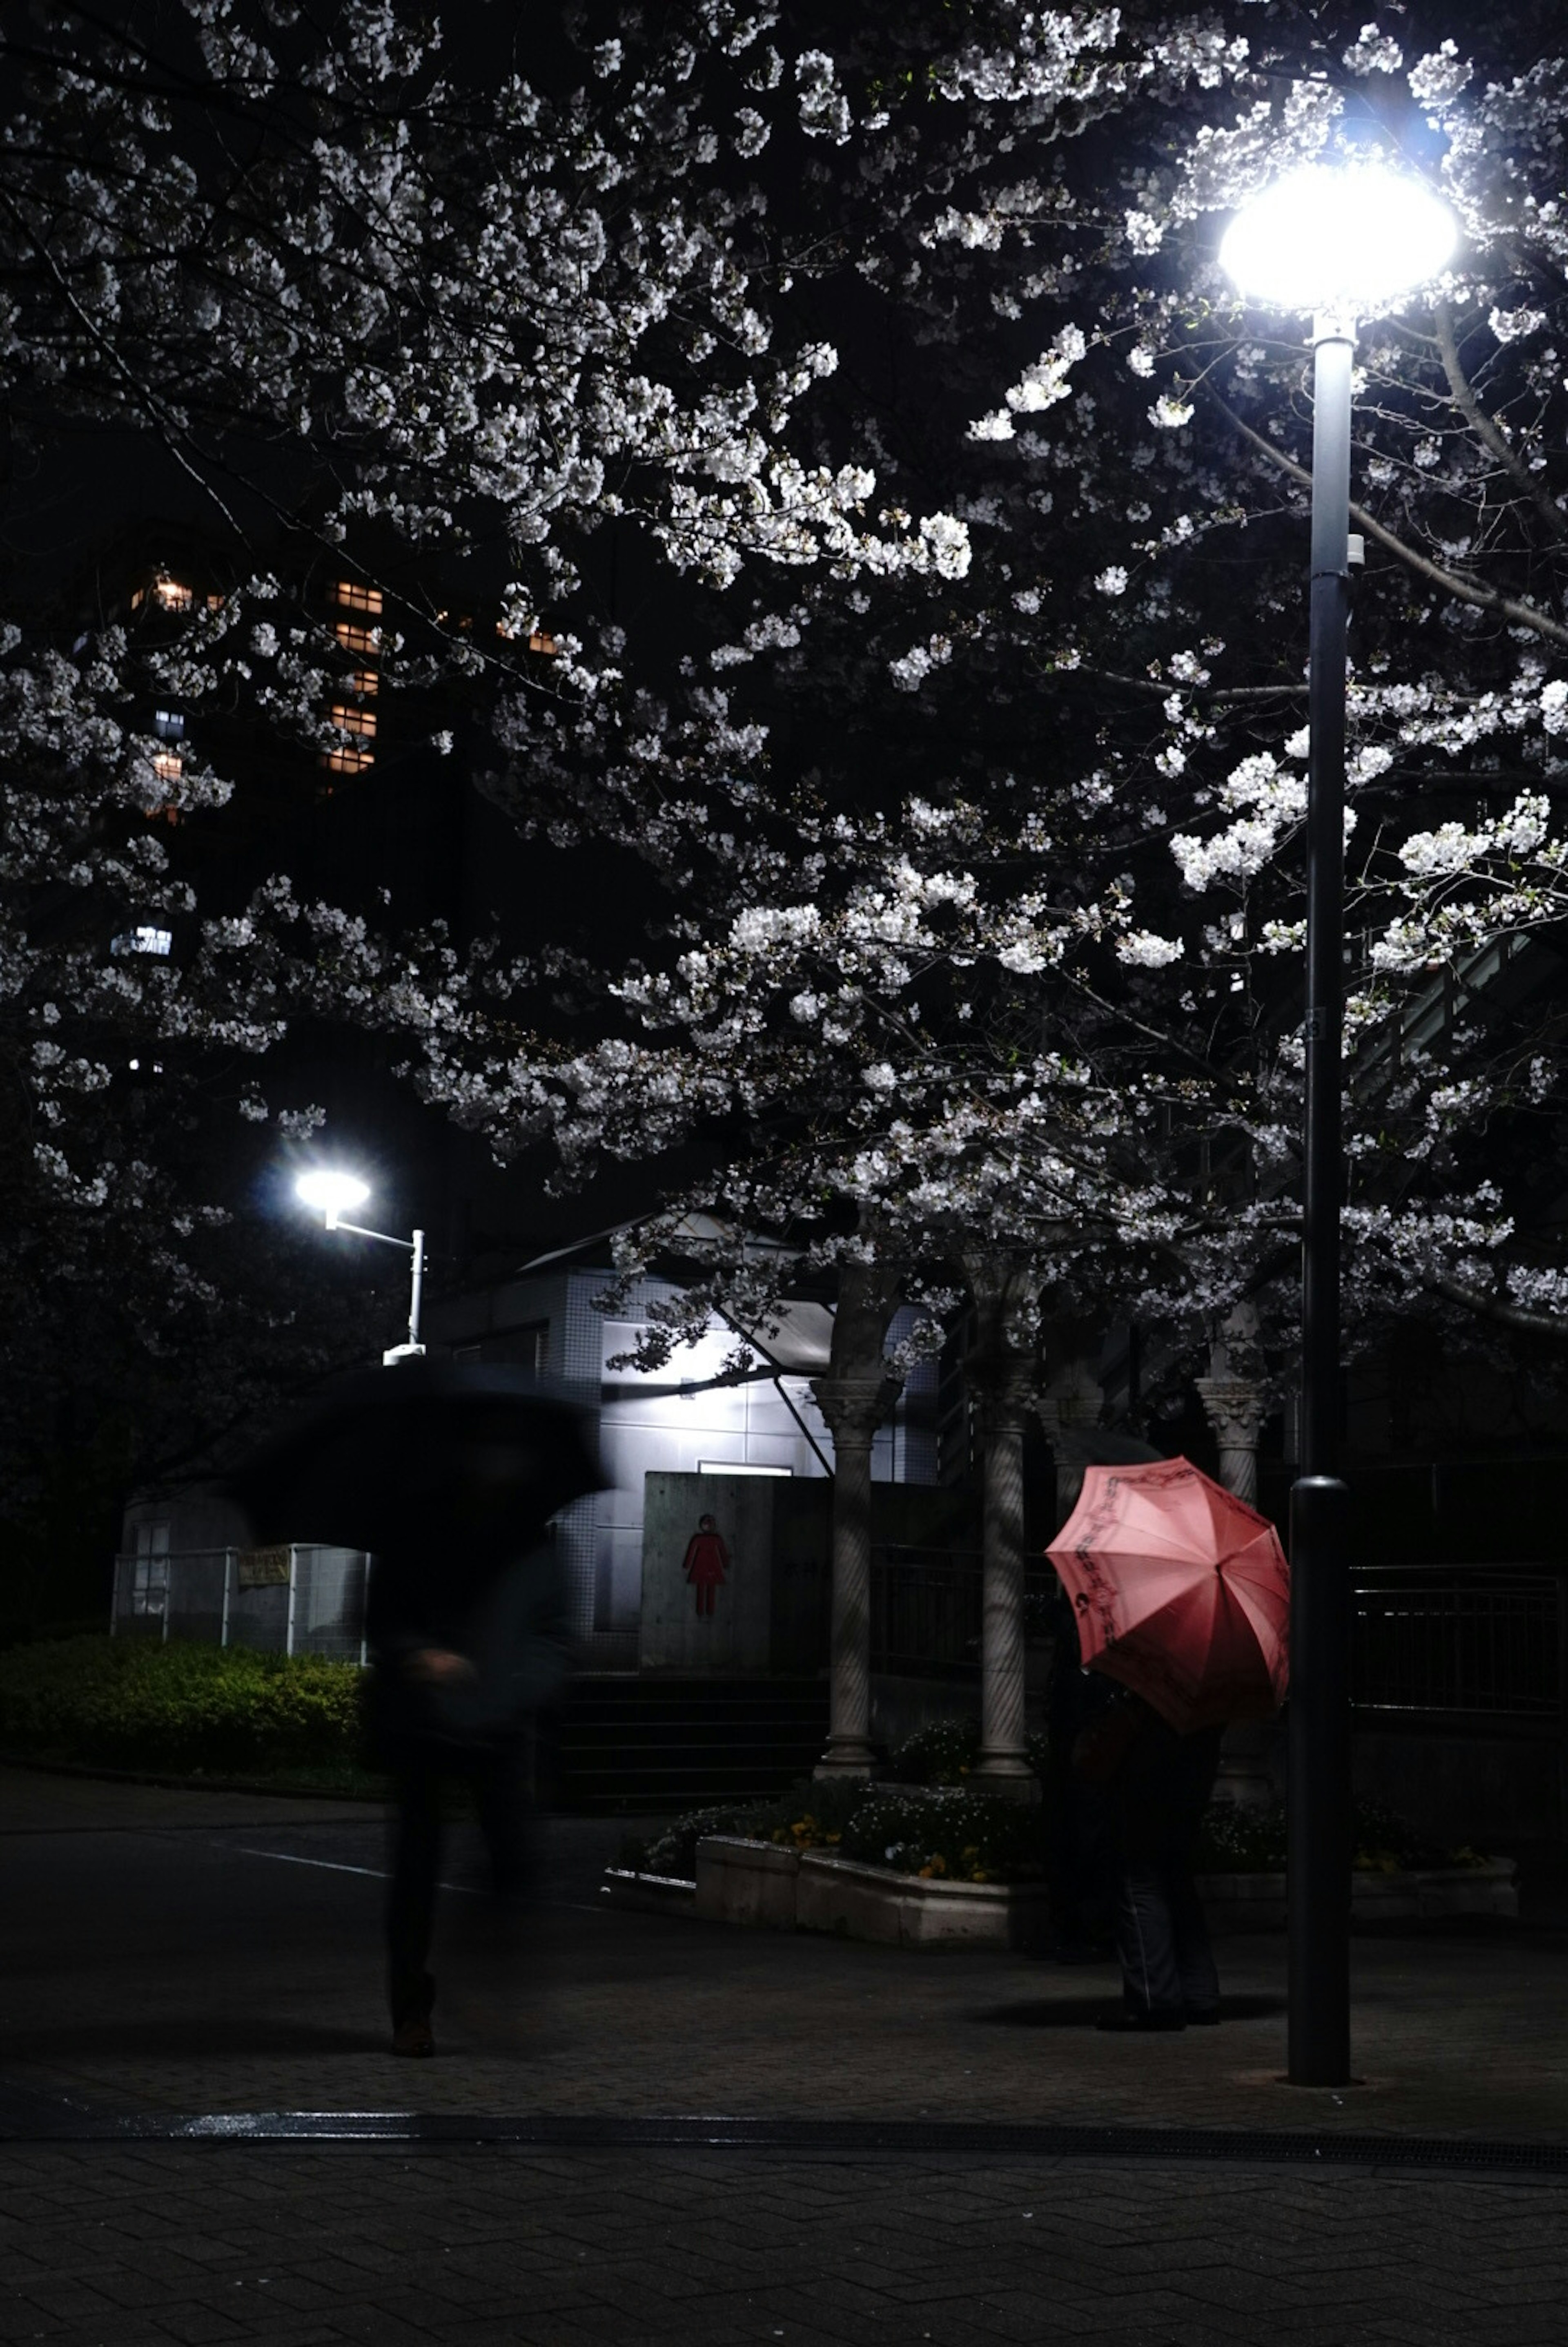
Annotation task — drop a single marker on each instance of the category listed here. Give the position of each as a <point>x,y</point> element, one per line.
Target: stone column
<point>1003,1766</point>
<point>1234,1407</point>
<point>1069,1411</point>
<point>855,1397</point>
<point>854,1407</point>
<point>1001,1371</point>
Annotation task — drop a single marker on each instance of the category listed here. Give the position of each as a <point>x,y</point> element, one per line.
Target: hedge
<point>188,1709</point>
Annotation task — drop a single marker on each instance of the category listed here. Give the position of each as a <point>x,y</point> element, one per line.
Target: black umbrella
<point>430,1452</point>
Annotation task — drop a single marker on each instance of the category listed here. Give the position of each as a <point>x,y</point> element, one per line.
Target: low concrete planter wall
<point>741,1881</point>
<point>1255,1903</point>
<point>868,1902</point>
<point>760,1883</point>
<point>648,1893</point>
<point>771,1889</point>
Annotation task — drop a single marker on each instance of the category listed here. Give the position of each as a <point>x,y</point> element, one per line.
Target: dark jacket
<point>506,1616</point>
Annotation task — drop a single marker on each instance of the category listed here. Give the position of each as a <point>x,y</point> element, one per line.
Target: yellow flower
<point>980,1875</point>
<point>925,1873</point>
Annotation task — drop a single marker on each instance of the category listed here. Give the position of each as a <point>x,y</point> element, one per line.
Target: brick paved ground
<point>189,1952</point>
<point>191,2245</point>
<point>180,1951</point>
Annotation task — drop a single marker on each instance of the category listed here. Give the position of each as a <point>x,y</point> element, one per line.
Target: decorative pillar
<point>1234,1407</point>
<point>856,1396</point>
<point>1001,1371</point>
<point>854,1407</point>
<point>1069,1411</point>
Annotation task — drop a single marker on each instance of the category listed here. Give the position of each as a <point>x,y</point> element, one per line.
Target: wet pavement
<point>173,1957</point>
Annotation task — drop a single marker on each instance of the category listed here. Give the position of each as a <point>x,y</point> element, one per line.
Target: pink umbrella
<point>1181,1591</point>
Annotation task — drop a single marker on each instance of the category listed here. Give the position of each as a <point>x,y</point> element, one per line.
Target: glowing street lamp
<point>1332,241</point>
<point>332,1193</point>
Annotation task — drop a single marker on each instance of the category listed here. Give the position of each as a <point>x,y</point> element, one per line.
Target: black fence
<point>1472,1642</point>
<point>926,1608</point>
<point>1462,1642</point>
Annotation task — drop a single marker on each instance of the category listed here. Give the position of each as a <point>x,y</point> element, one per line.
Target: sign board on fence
<point>261,1568</point>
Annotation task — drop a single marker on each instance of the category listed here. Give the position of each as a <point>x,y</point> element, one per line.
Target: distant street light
<point>1332,242</point>
<point>331,1195</point>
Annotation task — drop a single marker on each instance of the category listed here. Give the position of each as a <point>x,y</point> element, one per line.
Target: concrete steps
<point>663,1744</point>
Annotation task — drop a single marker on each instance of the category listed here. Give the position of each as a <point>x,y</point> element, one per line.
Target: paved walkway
<point>171,1953</point>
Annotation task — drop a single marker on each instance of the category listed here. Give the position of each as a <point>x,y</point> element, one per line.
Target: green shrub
<point>674,1852</point>
<point>955,1837</point>
<point>941,1753</point>
<point>1232,1840</point>
<point>183,1708</point>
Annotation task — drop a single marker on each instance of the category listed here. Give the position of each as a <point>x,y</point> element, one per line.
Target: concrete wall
<point>735,1636</point>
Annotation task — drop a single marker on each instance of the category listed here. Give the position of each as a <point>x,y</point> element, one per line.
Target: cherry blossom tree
<point>1007,940</point>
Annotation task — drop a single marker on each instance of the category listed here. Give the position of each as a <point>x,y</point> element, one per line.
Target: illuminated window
<point>364,680</point>
<point>145,939</point>
<point>355,597</point>
<point>542,641</point>
<point>351,759</point>
<point>353,721</point>
<point>168,724</point>
<point>167,765</point>
<point>168,594</point>
<point>362,641</point>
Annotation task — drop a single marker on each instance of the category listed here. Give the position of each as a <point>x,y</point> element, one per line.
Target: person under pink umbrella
<point>1181,1594</point>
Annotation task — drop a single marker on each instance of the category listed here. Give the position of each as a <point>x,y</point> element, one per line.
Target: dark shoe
<point>1201,2016</point>
<point>413,2037</point>
<point>1140,2024</point>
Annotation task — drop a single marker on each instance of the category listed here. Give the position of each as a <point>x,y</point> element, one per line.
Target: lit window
<point>349,760</point>
<point>172,593</point>
<point>539,640</point>
<point>168,724</point>
<point>355,597</point>
<point>353,721</point>
<point>167,765</point>
<point>364,642</point>
<point>145,939</point>
<point>363,680</point>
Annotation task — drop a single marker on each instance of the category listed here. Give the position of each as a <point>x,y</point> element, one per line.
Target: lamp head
<point>331,1193</point>
<point>1337,238</point>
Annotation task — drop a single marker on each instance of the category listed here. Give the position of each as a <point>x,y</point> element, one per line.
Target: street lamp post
<point>331,1195</point>
<point>1326,242</point>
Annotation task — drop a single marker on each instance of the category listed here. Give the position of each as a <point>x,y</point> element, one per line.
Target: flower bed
<point>879,1861</point>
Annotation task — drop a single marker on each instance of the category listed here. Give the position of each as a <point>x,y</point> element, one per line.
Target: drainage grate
<point>27,2117</point>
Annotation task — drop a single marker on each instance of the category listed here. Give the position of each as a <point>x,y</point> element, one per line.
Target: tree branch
<point>1485,599</point>
<point>1485,427</point>
<point>1495,1308</point>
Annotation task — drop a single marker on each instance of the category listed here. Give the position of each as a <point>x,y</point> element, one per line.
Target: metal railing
<point>295,1600</point>
<point>926,1607</point>
<point>1481,1641</point>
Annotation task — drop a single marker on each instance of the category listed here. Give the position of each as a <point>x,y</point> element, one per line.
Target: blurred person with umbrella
<point>1181,1596</point>
<point>1079,1851</point>
<point>448,1474</point>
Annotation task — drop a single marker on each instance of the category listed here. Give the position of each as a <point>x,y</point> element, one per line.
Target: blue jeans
<point>1162,1939</point>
